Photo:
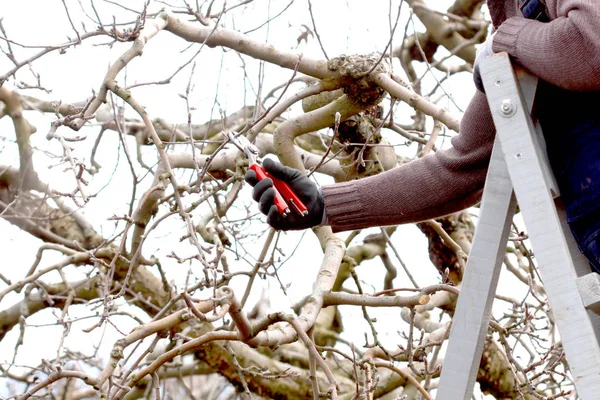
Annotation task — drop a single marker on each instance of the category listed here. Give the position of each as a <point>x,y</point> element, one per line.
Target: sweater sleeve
<point>565,51</point>
<point>429,187</point>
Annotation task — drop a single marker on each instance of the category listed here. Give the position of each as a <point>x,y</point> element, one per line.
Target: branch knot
<point>354,73</point>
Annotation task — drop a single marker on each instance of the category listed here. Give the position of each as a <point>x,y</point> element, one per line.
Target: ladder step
<point>589,290</point>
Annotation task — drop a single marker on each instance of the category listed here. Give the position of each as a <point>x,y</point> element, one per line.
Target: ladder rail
<point>529,174</point>
<point>560,264</point>
<point>474,304</point>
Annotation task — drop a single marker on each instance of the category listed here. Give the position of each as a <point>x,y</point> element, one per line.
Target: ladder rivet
<point>498,82</point>
<point>507,108</point>
<point>518,156</point>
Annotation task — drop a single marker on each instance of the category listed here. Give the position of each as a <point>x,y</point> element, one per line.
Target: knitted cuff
<point>507,35</point>
<point>342,203</point>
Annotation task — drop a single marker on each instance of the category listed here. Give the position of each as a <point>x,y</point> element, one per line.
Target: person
<point>556,40</point>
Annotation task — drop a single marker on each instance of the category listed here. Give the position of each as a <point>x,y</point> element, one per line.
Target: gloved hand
<point>484,51</point>
<point>304,188</point>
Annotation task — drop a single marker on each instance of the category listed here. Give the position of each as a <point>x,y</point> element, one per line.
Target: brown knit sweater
<point>564,52</point>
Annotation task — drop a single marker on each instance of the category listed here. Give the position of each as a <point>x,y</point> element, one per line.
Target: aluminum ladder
<point>519,171</point>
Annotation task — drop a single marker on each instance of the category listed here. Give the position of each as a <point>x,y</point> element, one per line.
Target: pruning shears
<point>285,198</point>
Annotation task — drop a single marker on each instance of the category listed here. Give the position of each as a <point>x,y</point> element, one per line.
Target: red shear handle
<point>289,196</point>
<point>280,203</point>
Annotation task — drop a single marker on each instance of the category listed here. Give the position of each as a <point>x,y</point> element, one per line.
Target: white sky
<point>345,27</point>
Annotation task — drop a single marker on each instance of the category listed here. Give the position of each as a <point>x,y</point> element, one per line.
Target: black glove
<point>304,188</point>
<point>477,79</point>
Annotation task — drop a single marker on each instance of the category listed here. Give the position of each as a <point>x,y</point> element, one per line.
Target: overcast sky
<point>346,27</point>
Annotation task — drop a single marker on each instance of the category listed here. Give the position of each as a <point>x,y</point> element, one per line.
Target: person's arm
<point>565,51</point>
<point>430,187</point>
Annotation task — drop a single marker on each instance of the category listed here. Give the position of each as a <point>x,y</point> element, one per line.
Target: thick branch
<point>87,289</point>
<point>413,99</point>
<point>284,135</point>
<point>421,298</point>
<point>23,131</point>
<point>245,45</point>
